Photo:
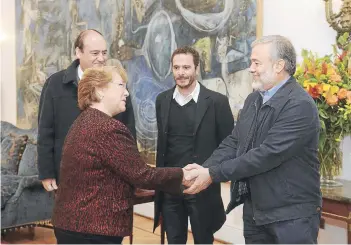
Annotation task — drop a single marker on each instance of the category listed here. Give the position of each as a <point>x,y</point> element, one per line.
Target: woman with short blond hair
<point>101,166</point>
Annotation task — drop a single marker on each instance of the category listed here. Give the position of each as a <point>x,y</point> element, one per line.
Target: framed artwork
<point>142,34</point>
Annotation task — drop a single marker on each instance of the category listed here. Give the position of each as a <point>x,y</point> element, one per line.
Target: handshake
<point>196,178</point>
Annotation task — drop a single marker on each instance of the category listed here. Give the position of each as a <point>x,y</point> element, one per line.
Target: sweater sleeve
<point>120,153</point>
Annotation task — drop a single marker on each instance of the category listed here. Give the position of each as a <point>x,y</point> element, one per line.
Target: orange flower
<point>341,57</point>
<point>315,91</point>
<point>324,68</point>
<point>335,78</point>
<point>342,94</point>
<point>348,96</point>
<point>319,88</point>
<point>332,100</point>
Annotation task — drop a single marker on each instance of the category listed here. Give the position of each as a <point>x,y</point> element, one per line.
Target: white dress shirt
<point>80,72</point>
<point>182,100</point>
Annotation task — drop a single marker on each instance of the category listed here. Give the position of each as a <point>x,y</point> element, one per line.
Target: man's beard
<point>191,80</point>
<point>263,80</point>
<point>257,85</point>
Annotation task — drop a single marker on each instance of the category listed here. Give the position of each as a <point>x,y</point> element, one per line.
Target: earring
<point>100,96</point>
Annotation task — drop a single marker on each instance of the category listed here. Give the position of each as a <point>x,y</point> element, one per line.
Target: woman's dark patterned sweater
<point>100,169</point>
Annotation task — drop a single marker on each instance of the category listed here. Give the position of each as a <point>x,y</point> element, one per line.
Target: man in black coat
<point>192,121</point>
<point>271,157</point>
<point>58,106</point>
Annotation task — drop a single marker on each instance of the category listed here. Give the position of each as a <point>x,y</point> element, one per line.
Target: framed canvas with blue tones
<point>142,34</point>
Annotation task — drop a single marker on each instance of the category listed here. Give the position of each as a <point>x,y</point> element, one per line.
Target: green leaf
<point>321,142</point>
<point>346,35</point>
<point>323,114</point>
<point>304,53</point>
<point>322,125</point>
<point>341,40</point>
<point>335,49</point>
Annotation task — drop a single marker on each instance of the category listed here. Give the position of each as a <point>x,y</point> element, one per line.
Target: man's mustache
<point>181,77</point>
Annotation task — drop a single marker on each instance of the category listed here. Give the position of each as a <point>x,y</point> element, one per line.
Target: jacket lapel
<point>202,105</point>
<point>165,106</point>
<point>71,74</point>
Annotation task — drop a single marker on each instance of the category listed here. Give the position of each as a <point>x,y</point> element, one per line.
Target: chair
<point>24,202</point>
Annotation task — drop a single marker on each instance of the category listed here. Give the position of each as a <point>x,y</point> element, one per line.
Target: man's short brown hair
<point>188,50</point>
<point>96,77</point>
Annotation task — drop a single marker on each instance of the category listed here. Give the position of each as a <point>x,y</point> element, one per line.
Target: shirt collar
<point>269,93</point>
<point>193,95</point>
<point>80,72</point>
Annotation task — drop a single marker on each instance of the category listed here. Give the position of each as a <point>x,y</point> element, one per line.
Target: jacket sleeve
<point>225,151</point>
<point>123,158</point>
<point>46,134</point>
<point>295,126</point>
<point>127,117</point>
<point>227,138</point>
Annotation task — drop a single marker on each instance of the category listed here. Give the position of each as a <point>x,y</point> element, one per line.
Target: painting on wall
<point>142,34</point>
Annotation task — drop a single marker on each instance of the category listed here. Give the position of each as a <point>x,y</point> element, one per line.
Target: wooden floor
<point>142,234</point>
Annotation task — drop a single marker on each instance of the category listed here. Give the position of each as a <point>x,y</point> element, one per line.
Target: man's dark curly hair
<point>188,50</point>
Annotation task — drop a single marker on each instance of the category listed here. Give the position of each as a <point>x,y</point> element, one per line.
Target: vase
<point>331,162</point>
<point>329,182</point>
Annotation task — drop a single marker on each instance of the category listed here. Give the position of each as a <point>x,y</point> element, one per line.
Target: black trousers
<point>175,213</point>
<point>70,237</point>
<point>297,231</point>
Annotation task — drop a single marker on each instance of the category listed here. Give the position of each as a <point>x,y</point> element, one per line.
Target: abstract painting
<point>142,34</point>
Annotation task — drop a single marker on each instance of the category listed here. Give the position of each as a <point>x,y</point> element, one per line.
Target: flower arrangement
<point>328,81</point>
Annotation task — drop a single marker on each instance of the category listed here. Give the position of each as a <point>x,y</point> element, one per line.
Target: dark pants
<point>297,231</point>
<point>175,213</point>
<point>70,237</point>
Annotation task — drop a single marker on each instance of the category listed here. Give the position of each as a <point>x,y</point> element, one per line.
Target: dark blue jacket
<point>277,157</point>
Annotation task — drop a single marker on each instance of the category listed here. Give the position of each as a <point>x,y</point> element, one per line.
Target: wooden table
<point>145,196</point>
<point>337,204</point>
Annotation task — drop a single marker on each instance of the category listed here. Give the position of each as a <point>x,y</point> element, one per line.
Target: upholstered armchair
<point>24,202</point>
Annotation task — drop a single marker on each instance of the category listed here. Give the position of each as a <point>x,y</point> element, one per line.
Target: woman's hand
<point>189,176</point>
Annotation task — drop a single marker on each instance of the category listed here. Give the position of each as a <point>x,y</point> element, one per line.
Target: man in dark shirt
<point>192,121</point>
<point>58,106</point>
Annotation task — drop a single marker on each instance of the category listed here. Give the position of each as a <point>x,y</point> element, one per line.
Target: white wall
<point>302,21</point>
<point>8,61</point>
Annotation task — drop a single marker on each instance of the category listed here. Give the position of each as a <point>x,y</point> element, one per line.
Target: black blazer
<point>213,122</point>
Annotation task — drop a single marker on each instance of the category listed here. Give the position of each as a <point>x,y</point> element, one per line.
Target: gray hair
<point>281,48</point>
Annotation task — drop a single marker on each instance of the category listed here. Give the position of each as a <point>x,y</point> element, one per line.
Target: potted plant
<point>328,81</point>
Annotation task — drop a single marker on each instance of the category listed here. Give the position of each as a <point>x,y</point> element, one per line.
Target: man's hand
<point>49,184</point>
<point>189,177</point>
<point>202,181</point>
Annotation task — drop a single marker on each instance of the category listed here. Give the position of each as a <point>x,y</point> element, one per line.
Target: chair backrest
<point>8,128</point>
<point>19,150</point>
